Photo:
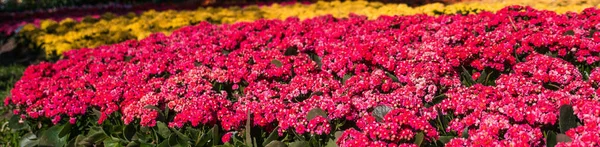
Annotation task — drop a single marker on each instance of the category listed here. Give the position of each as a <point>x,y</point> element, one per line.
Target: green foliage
<point>315,112</point>
<point>419,138</point>
<point>276,144</point>
<point>276,62</point>
<point>487,76</point>
<point>9,75</point>
<point>9,134</point>
<point>567,118</point>
<point>112,132</point>
<point>552,138</point>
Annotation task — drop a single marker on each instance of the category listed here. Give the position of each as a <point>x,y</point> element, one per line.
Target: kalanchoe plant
<point>513,78</point>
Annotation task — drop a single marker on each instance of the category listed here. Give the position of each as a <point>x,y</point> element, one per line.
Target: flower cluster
<point>319,125</point>
<point>398,127</point>
<point>60,35</point>
<point>13,20</point>
<point>278,72</point>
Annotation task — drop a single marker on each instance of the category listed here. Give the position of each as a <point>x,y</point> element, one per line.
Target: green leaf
<point>465,133</point>
<point>96,113</point>
<point>445,139</point>
<point>318,93</point>
<point>315,112</point>
<point>180,135</point>
<point>95,135</point>
<point>380,111</point>
<point>112,142</point>
<point>551,139</point>
<point>569,33</point>
<point>276,143</point>
<point>163,129</point>
<point>290,51</point>
<point>225,52</point>
<point>567,118</point>
<point>144,129</point>
<point>115,130</point>
<point>248,136</point>
<point>28,140</point>
<point>14,124</point>
<point>419,138</point>
<point>173,140</point>
<point>164,143</point>
<point>129,131</point>
<point>182,142</point>
<point>592,31</point>
<point>346,77</point>
<point>313,141</point>
<point>152,107</point>
<point>50,137</point>
<point>202,140</point>
<point>444,122</point>
<point>331,143</point>
<point>76,141</point>
<point>392,76</point>
<point>236,142</point>
<point>141,137</point>
<point>338,134</point>
<point>299,144</point>
<point>216,137</point>
<point>276,62</point>
<point>135,144</point>
<point>225,145</point>
<point>313,56</point>
<point>194,134</point>
<point>254,142</point>
<point>166,111</point>
<point>482,77</point>
<point>467,78</point>
<point>66,129</point>
<point>551,54</point>
<point>562,138</point>
<point>141,144</point>
<point>272,137</point>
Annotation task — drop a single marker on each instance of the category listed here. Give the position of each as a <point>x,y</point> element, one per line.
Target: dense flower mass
<point>63,34</point>
<point>503,77</point>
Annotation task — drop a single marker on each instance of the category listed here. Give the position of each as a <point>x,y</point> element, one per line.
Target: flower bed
<point>518,77</point>
<point>57,38</point>
<point>13,20</point>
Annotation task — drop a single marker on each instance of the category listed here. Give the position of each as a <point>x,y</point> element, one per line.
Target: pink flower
<point>226,137</point>
<point>319,125</point>
<point>402,66</point>
<point>475,75</point>
<point>72,120</point>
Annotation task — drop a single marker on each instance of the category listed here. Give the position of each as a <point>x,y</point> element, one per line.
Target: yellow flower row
<point>58,37</point>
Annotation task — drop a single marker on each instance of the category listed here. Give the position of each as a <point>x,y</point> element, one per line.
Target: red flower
<point>475,75</point>
<point>278,70</point>
<point>226,137</point>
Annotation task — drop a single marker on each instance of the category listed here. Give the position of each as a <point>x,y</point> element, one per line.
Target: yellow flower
<point>68,22</point>
<point>28,28</point>
<point>48,25</point>
<point>90,32</point>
